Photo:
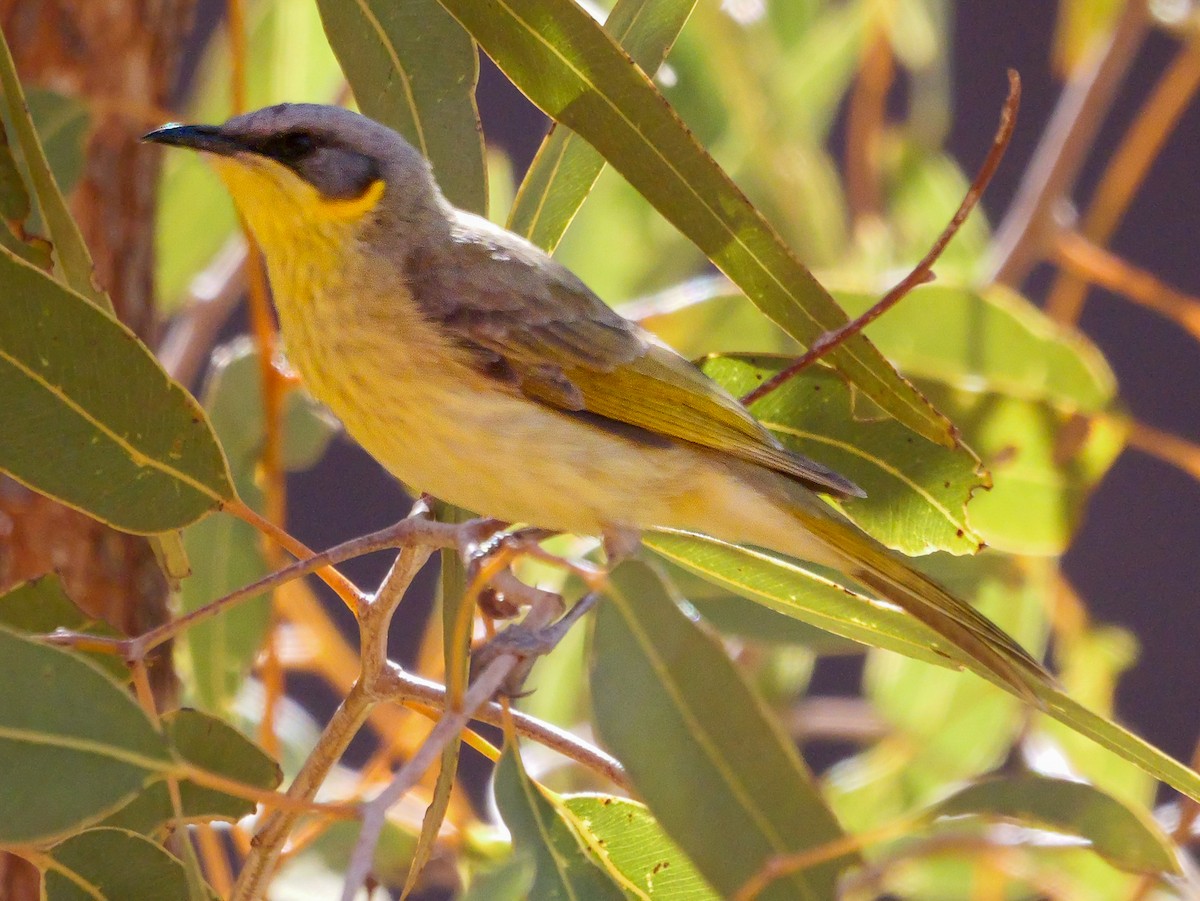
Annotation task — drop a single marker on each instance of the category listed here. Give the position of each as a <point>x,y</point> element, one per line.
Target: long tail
<point>887,573</point>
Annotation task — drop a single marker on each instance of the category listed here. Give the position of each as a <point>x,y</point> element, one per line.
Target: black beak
<point>209,138</point>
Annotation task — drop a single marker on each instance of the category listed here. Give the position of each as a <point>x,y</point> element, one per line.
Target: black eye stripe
<point>289,147</point>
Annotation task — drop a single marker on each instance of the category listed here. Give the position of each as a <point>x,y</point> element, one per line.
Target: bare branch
<point>924,269</point>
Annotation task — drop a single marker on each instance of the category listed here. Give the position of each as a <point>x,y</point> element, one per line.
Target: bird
<point>476,368</point>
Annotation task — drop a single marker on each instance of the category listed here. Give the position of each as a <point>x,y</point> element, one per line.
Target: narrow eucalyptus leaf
<point>129,446</point>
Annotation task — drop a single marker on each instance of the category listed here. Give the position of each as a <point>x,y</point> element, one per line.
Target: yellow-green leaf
<point>69,249</point>
<point>565,168</point>
<point>92,419</point>
<point>566,867</point>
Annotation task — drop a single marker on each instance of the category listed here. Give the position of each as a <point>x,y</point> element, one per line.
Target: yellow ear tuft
<point>357,207</point>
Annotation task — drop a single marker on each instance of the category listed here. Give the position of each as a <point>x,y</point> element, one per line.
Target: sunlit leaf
<point>1044,461</point>
<point>114,865</point>
<point>133,448</point>
<point>917,491</point>
<point>783,586</point>
<point>1125,836</point>
<point>992,338</point>
<point>945,726</point>
<point>566,167</point>
<point>1091,662</point>
<point>565,866</point>
<point>1025,393</point>
<point>732,792</point>
<point>800,591</point>
<point>73,743</point>
<point>637,846</point>
<point>569,66</point>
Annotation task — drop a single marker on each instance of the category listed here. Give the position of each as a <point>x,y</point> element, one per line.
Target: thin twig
<point>924,269</point>
<point>864,125</point>
<point>1127,169</point>
<point>481,691</point>
<point>1079,256</point>
<point>374,620</point>
<point>1024,232</point>
<point>1184,455</point>
<point>343,587</point>
<point>407,688</point>
<point>407,531</point>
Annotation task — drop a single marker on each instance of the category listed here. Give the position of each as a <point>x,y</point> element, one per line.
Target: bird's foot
<point>527,645</point>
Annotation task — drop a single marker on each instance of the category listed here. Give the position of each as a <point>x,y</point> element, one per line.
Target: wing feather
<point>564,347</point>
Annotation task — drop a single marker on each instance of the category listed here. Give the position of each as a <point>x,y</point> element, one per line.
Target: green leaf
<point>414,68</point>
<point>699,747</point>
<point>917,491</point>
<point>1045,461</point>
<point>945,726</point>
<point>73,743</point>
<point>114,865</point>
<point>132,447</point>
<point>732,613</point>
<point>509,880</point>
<point>1030,398</point>
<point>635,844</point>
<point>62,124</point>
<point>1090,664</point>
<point>287,59</point>
<point>214,746</point>
<point>801,591</point>
<point>69,249</point>
<point>40,606</point>
<point>784,586</point>
<point>1126,837</point>
<point>566,167</point>
<point>992,338</point>
<point>221,650</point>
<point>572,69</point>
<point>566,867</point>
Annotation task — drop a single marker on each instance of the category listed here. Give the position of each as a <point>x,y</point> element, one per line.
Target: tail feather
<point>884,572</point>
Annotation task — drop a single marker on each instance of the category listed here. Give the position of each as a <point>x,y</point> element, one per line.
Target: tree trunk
<point>120,56</point>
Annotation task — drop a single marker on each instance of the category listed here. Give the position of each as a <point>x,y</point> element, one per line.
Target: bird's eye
<point>290,146</point>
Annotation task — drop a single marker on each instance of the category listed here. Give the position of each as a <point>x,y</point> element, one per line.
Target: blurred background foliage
<point>834,117</point>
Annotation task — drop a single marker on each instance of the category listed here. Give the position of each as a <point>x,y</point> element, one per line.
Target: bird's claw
<point>527,645</point>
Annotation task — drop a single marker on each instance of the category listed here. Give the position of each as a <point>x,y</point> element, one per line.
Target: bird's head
<point>298,168</point>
